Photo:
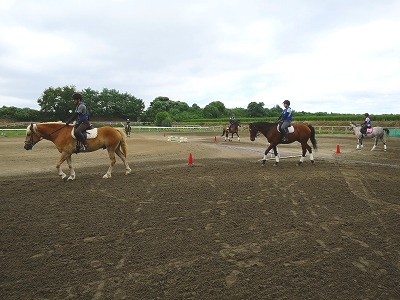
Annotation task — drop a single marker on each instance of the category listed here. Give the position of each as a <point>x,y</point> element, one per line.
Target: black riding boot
<point>80,146</point>
<point>284,134</point>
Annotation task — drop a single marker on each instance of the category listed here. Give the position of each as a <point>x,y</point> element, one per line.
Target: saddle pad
<point>290,128</point>
<point>91,133</point>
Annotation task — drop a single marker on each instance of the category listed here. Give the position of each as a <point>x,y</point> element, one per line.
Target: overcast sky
<point>323,55</point>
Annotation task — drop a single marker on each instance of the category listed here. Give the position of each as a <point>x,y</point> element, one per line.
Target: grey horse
<point>377,132</point>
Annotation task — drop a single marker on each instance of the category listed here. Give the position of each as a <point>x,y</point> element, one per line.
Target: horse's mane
<point>264,124</point>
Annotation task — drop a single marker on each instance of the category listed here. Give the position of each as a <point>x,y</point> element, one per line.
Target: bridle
<point>29,144</point>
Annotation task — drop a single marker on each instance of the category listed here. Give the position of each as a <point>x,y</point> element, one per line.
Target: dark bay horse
<point>128,129</point>
<point>378,133</point>
<point>112,139</point>
<point>232,129</point>
<point>302,133</point>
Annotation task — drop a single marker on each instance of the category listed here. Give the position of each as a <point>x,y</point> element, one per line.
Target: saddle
<point>369,130</point>
<point>290,128</point>
<point>90,133</point>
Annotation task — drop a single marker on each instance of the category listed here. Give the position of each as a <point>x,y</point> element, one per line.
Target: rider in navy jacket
<point>286,119</point>
<point>81,115</point>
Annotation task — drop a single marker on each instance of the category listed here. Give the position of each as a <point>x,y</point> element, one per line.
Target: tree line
<point>110,104</point>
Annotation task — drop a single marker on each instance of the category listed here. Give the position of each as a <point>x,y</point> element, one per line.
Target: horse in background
<point>128,130</point>
<point>378,133</point>
<point>112,139</point>
<point>231,129</point>
<point>298,132</point>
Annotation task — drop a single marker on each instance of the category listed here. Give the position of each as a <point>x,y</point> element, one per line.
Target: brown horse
<point>232,129</point>
<point>302,133</point>
<point>112,139</point>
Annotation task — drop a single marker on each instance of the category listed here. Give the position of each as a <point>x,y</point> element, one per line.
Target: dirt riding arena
<point>223,228</point>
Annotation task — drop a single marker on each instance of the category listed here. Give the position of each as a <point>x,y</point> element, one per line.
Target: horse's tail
<point>386,130</point>
<point>312,137</point>
<point>123,144</point>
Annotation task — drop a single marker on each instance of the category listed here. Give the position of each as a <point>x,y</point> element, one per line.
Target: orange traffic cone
<point>337,149</point>
<point>190,160</point>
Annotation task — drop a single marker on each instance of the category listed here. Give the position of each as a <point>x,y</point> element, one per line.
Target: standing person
<point>367,124</point>
<point>81,115</point>
<point>286,119</point>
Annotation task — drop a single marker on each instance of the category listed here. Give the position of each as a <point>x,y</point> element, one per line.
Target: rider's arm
<point>73,117</point>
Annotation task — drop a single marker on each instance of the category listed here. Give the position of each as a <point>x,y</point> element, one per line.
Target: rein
<point>58,129</point>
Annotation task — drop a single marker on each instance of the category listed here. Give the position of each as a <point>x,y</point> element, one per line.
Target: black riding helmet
<point>76,96</point>
<point>366,114</point>
<point>286,102</point>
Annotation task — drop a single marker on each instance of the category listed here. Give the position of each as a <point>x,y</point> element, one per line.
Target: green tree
<point>215,109</point>
<point>256,109</point>
<point>162,118</point>
<point>55,103</point>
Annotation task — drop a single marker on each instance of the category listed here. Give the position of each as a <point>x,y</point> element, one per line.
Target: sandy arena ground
<point>224,228</point>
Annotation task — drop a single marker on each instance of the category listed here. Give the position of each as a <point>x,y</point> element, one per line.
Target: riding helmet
<point>286,102</point>
<point>366,114</point>
<point>77,96</point>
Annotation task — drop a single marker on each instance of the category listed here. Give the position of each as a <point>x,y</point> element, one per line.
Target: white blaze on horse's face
<point>253,132</point>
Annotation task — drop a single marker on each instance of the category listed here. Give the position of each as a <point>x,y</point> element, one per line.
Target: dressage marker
<point>180,139</point>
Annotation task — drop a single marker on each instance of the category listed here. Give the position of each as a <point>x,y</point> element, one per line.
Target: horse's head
<point>352,126</point>
<point>32,137</point>
<point>253,131</point>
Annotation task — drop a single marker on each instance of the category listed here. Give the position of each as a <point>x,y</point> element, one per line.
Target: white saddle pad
<point>290,128</point>
<point>91,133</point>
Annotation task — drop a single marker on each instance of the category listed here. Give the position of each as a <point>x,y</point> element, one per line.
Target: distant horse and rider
<point>297,132</point>
<point>377,133</point>
<point>128,128</point>
<point>62,135</point>
<point>232,128</point>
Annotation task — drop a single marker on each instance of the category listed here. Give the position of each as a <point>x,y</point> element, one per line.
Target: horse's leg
<point>384,142</point>
<point>58,166</point>
<point>303,153</point>
<point>111,155</point>
<point>266,153</point>
<point>124,160</point>
<point>309,149</point>
<point>238,136</point>
<point>71,168</point>
<point>375,143</point>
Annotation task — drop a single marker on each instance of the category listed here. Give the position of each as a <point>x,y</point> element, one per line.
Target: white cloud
<point>322,57</point>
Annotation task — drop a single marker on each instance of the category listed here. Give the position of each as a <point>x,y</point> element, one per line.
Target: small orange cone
<point>337,149</point>
<point>190,160</point>
<point>215,139</point>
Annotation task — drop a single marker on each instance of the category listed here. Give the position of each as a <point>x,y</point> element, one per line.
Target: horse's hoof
<point>312,162</point>
<point>128,171</point>
<point>299,163</point>
<point>70,178</point>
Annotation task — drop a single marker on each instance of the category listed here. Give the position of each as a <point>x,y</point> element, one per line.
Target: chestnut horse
<point>232,129</point>
<point>112,139</point>
<point>302,133</point>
